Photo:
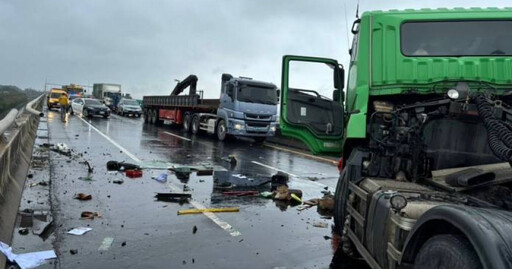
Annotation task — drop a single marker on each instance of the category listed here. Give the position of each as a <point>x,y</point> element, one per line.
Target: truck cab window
<point>316,78</point>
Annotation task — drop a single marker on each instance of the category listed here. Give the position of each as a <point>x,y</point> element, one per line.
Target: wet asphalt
<point>145,233</point>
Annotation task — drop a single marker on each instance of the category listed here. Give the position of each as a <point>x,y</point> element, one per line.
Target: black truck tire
<point>340,202</point>
<point>153,116</point>
<point>146,116</point>
<point>186,122</point>
<point>222,130</point>
<point>195,124</point>
<point>447,251</point>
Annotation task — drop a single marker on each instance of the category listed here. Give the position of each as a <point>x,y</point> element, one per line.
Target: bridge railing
<point>17,133</point>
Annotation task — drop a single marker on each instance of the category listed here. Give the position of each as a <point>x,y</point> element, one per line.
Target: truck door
<point>312,102</point>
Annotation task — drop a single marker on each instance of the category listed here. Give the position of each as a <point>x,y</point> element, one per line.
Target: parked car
<point>89,107</point>
<point>52,99</point>
<point>129,107</point>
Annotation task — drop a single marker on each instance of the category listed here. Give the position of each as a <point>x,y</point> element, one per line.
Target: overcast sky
<point>145,45</point>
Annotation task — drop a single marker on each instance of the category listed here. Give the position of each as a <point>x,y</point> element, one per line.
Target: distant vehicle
<point>246,107</point>
<point>109,94</point>
<point>129,107</point>
<point>52,99</point>
<point>89,107</point>
<point>74,91</point>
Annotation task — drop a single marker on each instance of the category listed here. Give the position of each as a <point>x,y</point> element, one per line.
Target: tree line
<point>13,97</point>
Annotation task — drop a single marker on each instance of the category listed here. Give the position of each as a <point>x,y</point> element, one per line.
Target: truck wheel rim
<point>186,123</point>
<point>222,130</point>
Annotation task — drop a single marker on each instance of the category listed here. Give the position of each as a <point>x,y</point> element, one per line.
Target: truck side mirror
<point>336,95</point>
<point>339,77</point>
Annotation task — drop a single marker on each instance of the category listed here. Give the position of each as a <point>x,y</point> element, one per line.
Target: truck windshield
<point>457,38</point>
<point>55,95</point>
<point>112,94</point>
<point>257,94</point>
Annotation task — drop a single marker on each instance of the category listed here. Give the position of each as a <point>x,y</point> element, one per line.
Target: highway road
<point>135,231</point>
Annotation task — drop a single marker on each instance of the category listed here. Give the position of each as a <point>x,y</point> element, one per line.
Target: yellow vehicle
<point>53,98</point>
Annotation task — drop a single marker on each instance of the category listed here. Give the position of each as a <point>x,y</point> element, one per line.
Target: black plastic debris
<point>173,197</point>
<point>279,179</point>
<point>117,181</point>
<point>121,166</point>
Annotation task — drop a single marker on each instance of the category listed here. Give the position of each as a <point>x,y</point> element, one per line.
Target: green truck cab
<point>424,131</point>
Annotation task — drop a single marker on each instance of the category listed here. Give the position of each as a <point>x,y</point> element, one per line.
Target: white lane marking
<point>224,225</point>
<point>107,242</point>
<point>273,168</point>
<point>318,158</point>
<point>133,157</point>
<point>184,138</point>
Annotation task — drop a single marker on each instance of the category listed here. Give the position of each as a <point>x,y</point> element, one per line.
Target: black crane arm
<point>190,81</point>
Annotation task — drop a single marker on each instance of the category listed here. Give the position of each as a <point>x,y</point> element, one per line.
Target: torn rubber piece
<point>173,197</point>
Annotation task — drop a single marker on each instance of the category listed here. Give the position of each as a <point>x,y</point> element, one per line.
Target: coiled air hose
<point>499,132</point>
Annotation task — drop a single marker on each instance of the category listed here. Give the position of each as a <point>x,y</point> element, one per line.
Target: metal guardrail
<point>16,146</point>
<point>10,118</point>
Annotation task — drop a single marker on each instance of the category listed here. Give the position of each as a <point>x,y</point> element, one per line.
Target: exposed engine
<point>409,140</point>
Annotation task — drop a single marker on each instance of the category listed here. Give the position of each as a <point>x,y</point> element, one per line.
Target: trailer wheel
<point>447,251</point>
<point>153,116</point>
<point>195,124</point>
<point>186,123</point>
<point>222,130</point>
<point>146,116</point>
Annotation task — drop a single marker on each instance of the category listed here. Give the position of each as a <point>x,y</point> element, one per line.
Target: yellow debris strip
<point>212,210</point>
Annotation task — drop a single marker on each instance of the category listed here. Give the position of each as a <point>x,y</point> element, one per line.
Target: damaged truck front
<point>425,135</point>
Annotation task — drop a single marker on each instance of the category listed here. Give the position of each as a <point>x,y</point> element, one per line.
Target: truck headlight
<point>272,128</point>
<point>238,126</point>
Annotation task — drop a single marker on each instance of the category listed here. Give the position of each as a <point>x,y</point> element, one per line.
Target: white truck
<point>108,93</point>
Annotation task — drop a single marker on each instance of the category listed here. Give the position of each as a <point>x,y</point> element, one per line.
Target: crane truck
<point>424,132</point>
<point>246,108</point>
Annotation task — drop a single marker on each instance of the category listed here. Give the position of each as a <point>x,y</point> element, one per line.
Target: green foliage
<point>13,97</point>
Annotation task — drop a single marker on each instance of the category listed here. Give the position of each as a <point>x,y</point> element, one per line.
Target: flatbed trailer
<point>224,116</point>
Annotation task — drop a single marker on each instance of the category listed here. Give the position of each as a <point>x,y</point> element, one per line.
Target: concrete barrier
<point>16,143</point>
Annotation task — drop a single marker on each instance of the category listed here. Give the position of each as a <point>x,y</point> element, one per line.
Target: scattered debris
<point>121,166</point>
<point>41,224</point>
<point>133,173</point>
<point>326,203</point>
<point>194,230</point>
<point>83,196</point>
<point>117,181</point>
<point>212,210</point>
<point>79,230</point>
<point>41,183</point>
<point>23,231</point>
<point>205,172</point>
<point>27,260</point>
<point>231,159</point>
<point>86,178</point>
<point>312,202</point>
<point>303,207</point>
<point>182,173</point>
<point>73,251</point>
<point>173,197</point>
<point>241,193</point>
<point>284,193</point>
<point>267,194</point>
<point>89,167</point>
<point>105,245</point>
<point>279,179</point>
<point>123,244</point>
<point>320,224</point>
<point>162,178</point>
<point>30,176</point>
<point>90,215</point>
<point>61,148</point>
<point>201,180</point>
